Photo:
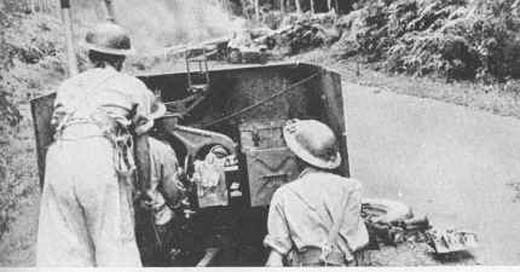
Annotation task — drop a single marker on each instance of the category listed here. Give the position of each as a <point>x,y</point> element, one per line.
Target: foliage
<point>458,39</point>
<point>31,62</point>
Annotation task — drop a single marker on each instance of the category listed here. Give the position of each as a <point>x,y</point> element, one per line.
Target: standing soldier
<point>86,216</point>
<point>315,220</point>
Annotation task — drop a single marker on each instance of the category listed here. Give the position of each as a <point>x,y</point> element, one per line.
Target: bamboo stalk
<point>298,6</point>
<point>111,15</point>
<point>224,4</point>
<point>257,10</point>
<point>67,22</point>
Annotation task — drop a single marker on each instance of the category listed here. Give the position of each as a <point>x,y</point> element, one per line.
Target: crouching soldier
<point>162,202</point>
<point>159,216</point>
<point>315,220</point>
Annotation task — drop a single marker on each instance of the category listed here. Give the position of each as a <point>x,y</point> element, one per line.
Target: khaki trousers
<point>86,214</point>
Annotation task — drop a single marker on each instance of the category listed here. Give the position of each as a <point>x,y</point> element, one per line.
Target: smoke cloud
<point>162,23</point>
<point>156,24</point>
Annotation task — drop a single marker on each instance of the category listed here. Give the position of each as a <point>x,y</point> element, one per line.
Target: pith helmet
<point>313,142</point>
<point>109,38</point>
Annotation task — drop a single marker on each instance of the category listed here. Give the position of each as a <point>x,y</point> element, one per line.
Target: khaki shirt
<point>303,212</point>
<point>101,92</point>
<point>165,183</point>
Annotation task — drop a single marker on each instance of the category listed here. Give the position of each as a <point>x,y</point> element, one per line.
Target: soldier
<point>86,216</point>
<point>315,220</point>
<point>158,240</point>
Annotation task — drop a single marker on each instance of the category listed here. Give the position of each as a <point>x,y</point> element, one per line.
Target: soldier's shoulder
<point>281,192</point>
<point>77,81</point>
<point>131,80</point>
<point>352,182</point>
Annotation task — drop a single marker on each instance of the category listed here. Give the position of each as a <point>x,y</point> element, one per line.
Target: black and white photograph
<point>260,133</point>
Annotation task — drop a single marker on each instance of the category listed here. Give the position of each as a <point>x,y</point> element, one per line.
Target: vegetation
<point>477,40</point>
<point>31,63</point>
<point>456,39</point>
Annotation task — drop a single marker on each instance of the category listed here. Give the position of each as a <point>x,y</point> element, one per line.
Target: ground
<point>455,165</point>
<point>458,165</point>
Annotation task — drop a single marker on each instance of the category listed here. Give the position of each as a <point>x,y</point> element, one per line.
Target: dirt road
<point>460,167</point>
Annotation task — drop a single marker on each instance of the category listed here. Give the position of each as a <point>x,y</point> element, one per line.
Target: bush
<point>457,39</point>
<point>31,62</point>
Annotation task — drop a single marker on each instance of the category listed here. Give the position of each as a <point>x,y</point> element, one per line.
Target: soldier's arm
<point>171,186</point>
<point>143,98</point>
<point>278,236</point>
<point>354,223</point>
<point>275,259</point>
<point>60,111</point>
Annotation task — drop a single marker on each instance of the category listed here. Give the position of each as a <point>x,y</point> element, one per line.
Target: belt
<point>314,257</point>
<point>120,138</point>
<point>78,131</point>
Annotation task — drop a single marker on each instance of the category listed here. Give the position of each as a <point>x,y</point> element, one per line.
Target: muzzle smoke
<point>162,23</point>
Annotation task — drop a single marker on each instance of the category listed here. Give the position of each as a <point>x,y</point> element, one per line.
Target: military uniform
<point>86,216</point>
<point>315,220</point>
<point>303,212</point>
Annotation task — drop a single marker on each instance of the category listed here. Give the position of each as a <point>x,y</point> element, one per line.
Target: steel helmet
<point>109,38</point>
<point>144,124</point>
<point>158,109</point>
<point>313,142</point>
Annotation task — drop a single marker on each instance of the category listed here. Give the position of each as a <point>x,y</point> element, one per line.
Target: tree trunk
<point>67,23</point>
<point>329,5</point>
<point>225,5</point>
<point>298,6</point>
<point>312,7</point>
<point>282,6</point>
<point>257,10</point>
<point>111,15</point>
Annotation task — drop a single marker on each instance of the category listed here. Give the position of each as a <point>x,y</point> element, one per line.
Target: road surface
<point>456,165</point>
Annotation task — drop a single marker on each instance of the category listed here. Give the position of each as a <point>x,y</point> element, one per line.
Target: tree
<point>298,6</point>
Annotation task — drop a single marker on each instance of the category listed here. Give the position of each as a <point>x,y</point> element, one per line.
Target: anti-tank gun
<point>242,111</point>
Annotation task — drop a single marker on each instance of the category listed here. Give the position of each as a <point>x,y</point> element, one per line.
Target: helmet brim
<point>159,112</point>
<point>306,156</point>
<point>110,51</point>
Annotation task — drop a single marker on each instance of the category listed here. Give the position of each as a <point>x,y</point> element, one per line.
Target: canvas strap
<point>327,250</point>
<point>328,247</point>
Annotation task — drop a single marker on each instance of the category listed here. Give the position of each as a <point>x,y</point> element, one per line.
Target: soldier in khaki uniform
<point>86,216</point>
<point>315,220</point>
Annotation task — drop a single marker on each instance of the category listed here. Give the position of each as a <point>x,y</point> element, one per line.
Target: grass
<point>496,99</point>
